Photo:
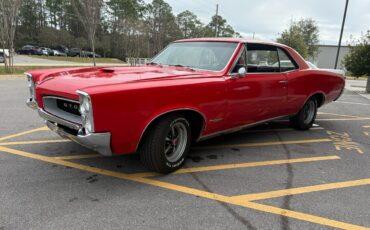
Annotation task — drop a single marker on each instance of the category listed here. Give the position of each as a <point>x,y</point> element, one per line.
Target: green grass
<point>81,60</point>
<point>22,69</point>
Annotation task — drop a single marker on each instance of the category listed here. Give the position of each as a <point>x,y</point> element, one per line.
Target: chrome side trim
<point>49,117</point>
<point>150,122</point>
<point>236,129</point>
<point>99,142</point>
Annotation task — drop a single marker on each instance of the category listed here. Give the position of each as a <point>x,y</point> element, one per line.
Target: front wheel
<point>304,119</point>
<point>166,144</point>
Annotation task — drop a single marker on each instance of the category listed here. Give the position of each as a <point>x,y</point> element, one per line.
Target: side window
<point>262,59</point>
<point>286,63</point>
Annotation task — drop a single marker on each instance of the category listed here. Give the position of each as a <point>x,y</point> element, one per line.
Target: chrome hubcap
<point>176,141</point>
<point>309,112</point>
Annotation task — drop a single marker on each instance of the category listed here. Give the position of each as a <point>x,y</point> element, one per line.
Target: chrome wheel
<point>176,141</point>
<point>309,112</point>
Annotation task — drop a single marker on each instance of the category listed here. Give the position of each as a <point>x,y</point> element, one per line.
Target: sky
<point>268,18</point>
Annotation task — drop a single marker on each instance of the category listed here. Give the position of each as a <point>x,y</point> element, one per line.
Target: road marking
<point>32,142</point>
<point>343,119</point>
<point>264,144</point>
<point>301,216</point>
<point>278,130</point>
<point>343,140</point>
<point>366,126</point>
<point>77,157</point>
<point>191,191</point>
<point>241,165</point>
<point>24,133</point>
<point>352,103</point>
<point>301,190</point>
<point>339,115</point>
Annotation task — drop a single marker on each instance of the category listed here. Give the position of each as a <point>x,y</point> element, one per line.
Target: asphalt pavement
<point>268,177</point>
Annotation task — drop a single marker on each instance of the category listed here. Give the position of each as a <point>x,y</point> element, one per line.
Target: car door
<point>261,93</point>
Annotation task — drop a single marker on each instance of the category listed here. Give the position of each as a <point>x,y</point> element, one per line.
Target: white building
<point>327,54</point>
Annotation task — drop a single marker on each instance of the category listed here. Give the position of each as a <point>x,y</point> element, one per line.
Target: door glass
<point>286,63</point>
<point>262,59</point>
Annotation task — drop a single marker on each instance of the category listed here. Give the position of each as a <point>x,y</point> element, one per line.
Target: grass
<point>81,60</point>
<point>21,69</point>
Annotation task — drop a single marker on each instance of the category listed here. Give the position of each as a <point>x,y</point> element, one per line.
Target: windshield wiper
<point>153,63</point>
<point>182,66</point>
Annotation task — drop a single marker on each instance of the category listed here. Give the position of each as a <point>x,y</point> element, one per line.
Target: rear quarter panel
<point>305,83</point>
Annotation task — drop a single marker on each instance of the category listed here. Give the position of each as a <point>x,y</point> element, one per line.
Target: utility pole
<point>216,27</point>
<point>341,34</point>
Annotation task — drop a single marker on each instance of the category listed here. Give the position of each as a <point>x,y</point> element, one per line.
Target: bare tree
<point>88,12</point>
<point>9,10</point>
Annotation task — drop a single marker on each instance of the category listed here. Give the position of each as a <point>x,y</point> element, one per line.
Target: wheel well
<point>195,119</point>
<point>320,98</point>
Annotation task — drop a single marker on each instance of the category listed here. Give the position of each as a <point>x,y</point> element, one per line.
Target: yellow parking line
<point>351,103</point>
<point>301,216</point>
<point>190,191</point>
<point>344,119</point>
<point>339,115</point>
<point>24,133</point>
<point>241,165</point>
<point>32,142</point>
<point>265,144</point>
<point>77,157</point>
<point>300,190</point>
<point>366,126</point>
<point>278,130</point>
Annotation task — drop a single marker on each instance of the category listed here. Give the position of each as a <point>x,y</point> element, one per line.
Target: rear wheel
<point>166,144</point>
<point>304,119</point>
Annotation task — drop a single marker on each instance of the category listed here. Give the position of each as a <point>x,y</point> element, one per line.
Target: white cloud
<point>268,18</point>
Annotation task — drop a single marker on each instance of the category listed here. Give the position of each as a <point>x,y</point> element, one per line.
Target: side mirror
<point>242,71</point>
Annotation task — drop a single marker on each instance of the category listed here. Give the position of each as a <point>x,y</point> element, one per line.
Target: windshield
<point>212,56</point>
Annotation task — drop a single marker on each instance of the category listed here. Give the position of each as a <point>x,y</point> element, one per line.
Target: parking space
<point>268,177</point>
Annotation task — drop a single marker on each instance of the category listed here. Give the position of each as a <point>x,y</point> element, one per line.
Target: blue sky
<point>267,18</point>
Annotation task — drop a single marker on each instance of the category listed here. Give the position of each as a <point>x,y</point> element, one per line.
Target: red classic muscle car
<point>192,90</point>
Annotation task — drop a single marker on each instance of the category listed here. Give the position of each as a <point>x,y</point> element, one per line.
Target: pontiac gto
<point>194,89</point>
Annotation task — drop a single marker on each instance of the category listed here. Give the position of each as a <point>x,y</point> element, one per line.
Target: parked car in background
<point>2,57</point>
<point>30,50</point>
<point>56,53</point>
<point>45,51</point>
<point>193,90</point>
<point>338,71</point>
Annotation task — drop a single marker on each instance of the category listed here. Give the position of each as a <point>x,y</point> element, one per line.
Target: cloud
<point>266,19</point>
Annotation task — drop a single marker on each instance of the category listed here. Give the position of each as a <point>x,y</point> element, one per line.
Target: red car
<point>194,89</point>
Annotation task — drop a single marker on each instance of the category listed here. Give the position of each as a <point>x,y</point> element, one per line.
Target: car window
<point>286,63</point>
<point>198,55</point>
<point>262,59</point>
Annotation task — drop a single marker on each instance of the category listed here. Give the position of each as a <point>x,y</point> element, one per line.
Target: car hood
<point>67,82</point>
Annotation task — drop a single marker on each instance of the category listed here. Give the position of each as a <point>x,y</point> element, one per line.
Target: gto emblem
<point>70,106</point>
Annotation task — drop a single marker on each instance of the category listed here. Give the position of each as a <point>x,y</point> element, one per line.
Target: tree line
<point>124,28</point>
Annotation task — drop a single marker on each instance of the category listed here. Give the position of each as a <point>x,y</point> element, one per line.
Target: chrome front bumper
<point>99,142</point>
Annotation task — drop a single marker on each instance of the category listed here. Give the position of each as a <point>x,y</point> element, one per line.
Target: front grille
<point>69,106</point>
<point>63,108</point>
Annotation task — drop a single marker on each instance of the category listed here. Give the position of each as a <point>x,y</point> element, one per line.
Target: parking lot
<point>268,177</point>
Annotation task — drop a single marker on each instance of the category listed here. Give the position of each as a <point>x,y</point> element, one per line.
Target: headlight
<point>86,112</point>
<point>31,86</point>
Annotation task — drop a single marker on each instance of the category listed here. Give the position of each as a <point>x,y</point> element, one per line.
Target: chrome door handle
<point>283,82</point>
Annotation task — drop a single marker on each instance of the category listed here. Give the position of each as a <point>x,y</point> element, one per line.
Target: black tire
<point>304,119</point>
<point>155,149</point>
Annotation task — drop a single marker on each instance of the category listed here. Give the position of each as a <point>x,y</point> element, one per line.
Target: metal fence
<point>137,61</point>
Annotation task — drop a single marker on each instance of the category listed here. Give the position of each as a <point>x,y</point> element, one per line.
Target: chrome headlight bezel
<point>86,112</point>
<point>31,86</point>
